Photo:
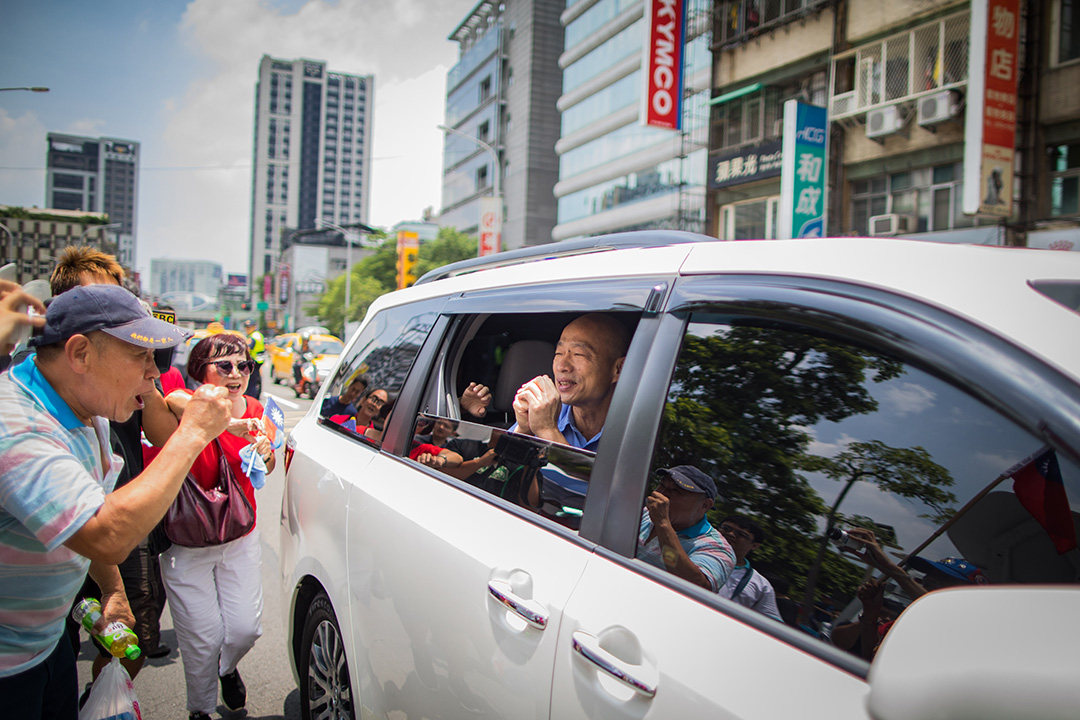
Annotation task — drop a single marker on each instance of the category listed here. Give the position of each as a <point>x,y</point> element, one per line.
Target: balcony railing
<point>901,67</point>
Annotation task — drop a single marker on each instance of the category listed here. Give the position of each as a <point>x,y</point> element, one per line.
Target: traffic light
<point>408,248</point>
<point>245,306</point>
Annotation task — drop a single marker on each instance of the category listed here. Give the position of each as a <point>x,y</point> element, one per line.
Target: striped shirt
<point>704,544</point>
<point>51,483</point>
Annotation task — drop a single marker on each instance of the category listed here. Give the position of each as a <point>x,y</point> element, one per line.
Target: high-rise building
<point>616,173</point>
<point>312,153</point>
<point>96,175</point>
<point>502,92</point>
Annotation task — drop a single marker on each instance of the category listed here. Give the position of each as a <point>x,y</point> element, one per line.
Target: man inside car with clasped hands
<point>572,408</point>
<point>58,515</point>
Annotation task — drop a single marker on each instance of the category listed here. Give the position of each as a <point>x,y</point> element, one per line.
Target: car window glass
<point>368,379</point>
<point>547,478</point>
<point>813,438</point>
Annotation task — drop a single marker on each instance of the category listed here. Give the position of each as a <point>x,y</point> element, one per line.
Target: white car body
<point>413,563</point>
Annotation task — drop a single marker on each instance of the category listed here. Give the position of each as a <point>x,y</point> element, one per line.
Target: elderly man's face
<point>117,374</point>
<point>685,507</point>
<point>585,365</point>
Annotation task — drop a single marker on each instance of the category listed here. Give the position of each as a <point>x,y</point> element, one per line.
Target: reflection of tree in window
<point>740,405</point>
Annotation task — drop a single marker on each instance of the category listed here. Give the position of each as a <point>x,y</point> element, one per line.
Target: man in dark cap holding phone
<point>675,534</point>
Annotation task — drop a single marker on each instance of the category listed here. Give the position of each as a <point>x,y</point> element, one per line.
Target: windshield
<point>325,347</point>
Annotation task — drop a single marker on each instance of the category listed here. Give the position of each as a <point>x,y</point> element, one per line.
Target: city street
<point>271,691</point>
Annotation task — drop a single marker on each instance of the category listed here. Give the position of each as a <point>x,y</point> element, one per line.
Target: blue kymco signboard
<point>803,171</point>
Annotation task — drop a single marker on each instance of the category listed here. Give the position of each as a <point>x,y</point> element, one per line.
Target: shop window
<point>752,220</point>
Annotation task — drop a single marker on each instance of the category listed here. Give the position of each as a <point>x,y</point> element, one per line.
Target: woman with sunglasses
<point>216,592</point>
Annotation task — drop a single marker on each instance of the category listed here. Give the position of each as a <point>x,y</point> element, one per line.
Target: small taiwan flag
<point>1037,484</point>
<point>273,421</point>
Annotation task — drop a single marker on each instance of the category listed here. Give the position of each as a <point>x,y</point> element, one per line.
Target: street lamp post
<point>30,89</point>
<point>348,234</point>
<point>495,167</point>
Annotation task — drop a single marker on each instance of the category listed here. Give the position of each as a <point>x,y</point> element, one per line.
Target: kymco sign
<point>662,105</point>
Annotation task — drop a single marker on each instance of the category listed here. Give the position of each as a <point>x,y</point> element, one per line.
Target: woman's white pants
<point>215,597</point>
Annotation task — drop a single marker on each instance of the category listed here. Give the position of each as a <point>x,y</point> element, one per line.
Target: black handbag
<point>203,518</point>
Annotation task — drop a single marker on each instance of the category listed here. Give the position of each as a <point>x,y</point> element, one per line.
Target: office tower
<point>615,173</point>
<point>96,175</point>
<point>312,153</point>
<point>502,92</point>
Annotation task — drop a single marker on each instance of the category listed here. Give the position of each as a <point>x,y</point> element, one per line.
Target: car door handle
<point>530,611</point>
<point>588,646</point>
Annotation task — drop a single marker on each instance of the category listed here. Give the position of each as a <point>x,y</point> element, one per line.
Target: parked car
<point>900,386</point>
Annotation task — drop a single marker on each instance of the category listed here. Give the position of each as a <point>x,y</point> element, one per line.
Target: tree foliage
<point>376,275</point>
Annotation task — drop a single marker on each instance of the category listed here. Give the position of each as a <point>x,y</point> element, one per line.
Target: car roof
<point>991,286</point>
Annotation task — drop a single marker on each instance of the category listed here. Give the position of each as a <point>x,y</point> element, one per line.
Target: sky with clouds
<point>179,77</point>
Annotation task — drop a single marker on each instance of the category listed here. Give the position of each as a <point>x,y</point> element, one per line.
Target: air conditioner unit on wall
<point>892,224</point>
<point>937,108</point>
<point>883,121</point>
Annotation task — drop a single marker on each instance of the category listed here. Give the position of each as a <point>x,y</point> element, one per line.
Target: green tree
<point>449,246</point>
<point>738,408</point>
<point>376,275</point>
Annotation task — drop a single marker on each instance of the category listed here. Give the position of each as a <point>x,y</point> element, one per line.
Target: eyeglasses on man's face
<point>225,367</point>
<point>736,532</point>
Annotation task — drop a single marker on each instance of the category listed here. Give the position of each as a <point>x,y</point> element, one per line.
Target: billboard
<point>803,171</point>
<point>748,164</point>
<point>990,122</point>
<point>664,34</point>
<point>237,281</point>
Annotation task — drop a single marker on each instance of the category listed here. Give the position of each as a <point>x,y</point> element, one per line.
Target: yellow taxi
<point>285,349</point>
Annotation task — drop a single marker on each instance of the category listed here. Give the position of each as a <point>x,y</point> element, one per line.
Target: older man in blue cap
<point>675,534</point>
<point>58,516</point>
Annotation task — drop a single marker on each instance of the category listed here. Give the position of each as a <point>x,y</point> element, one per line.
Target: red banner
<point>664,64</point>
<point>1002,71</point>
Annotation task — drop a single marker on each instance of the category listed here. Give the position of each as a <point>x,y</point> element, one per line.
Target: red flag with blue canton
<point>1039,488</point>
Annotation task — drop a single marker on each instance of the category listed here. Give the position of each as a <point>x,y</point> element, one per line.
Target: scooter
<point>309,377</point>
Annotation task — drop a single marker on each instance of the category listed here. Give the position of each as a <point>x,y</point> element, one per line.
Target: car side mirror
<point>980,652</point>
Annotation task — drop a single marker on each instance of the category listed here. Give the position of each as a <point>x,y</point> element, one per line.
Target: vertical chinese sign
<point>490,226</point>
<point>803,171</point>
<point>990,124</point>
<point>662,99</point>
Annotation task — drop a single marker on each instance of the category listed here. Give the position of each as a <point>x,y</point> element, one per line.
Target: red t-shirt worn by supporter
<point>205,467</point>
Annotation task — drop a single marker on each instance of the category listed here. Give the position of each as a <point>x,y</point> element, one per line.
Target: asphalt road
<point>271,691</point>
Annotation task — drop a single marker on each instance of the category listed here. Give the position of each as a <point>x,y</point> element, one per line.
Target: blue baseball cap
<point>111,309</point>
<point>690,478</point>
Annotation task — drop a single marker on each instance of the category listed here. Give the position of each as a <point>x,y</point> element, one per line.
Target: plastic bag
<point>112,696</point>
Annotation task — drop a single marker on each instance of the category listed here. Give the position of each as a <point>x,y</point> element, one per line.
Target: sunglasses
<point>225,367</point>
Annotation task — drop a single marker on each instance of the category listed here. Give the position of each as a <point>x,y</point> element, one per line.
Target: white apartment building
<point>312,153</point>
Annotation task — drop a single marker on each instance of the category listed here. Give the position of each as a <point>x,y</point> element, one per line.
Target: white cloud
<point>824,449</point>
<point>907,398</point>
<point>206,212</point>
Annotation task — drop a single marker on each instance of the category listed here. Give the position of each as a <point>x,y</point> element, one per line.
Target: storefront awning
<point>753,87</point>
